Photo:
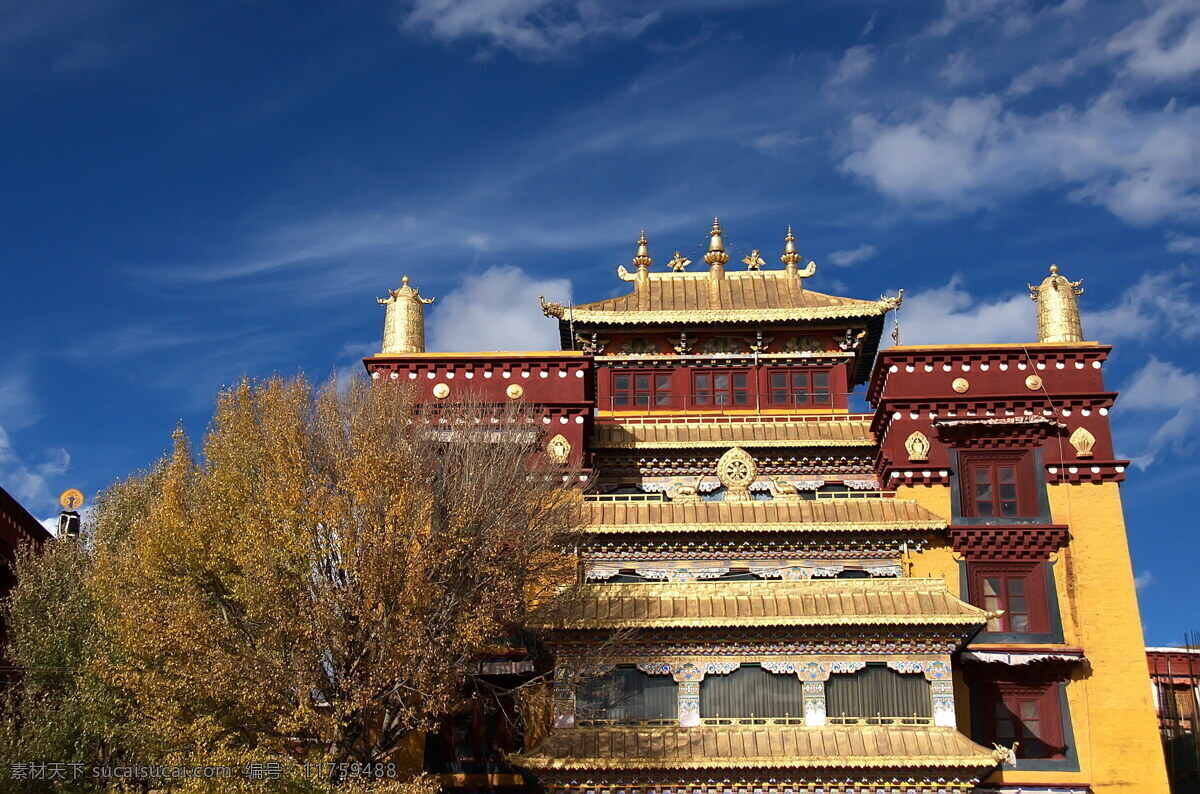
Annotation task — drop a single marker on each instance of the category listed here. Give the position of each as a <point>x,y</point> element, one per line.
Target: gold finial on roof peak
<point>716,256</point>
<point>641,259</point>
<point>791,257</point>
<point>679,262</point>
<point>1058,308</point>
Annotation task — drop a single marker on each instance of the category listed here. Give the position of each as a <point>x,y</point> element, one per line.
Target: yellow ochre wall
<point>1112,713</point>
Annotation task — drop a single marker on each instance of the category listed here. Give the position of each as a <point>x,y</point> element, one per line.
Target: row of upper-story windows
<point>702,388</point>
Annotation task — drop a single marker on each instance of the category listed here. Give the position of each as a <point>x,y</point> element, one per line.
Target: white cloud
<point>1182,243</point>
<point>29,483</point>
<point>854,65</point>
<point>1143,580</point>
<point>950,312</point>
<point>1164,45</point>
<point>535,28</point>
<point>776,142</point>
<point>852,256</point>
<point>497,310</point>
<point>1163,389</point>
<point>1143,166</point>
<point>1157,305</point>
<point>959,69</point>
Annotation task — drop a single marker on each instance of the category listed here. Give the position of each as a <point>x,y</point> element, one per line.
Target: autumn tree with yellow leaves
<point>316,583</point>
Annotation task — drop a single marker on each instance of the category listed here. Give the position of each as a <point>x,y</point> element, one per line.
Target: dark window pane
<point>821,380</point>
<point>720,382</point>
<point>1018,622</point>
<point>621,399</point>
<point>621,383</point>
<point>739,380</point>
<point>642,382</point>
<point>778,380</point>
<point>662,383</point>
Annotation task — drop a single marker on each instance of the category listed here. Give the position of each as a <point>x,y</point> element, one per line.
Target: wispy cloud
<point>852,256</point>
<point>1171,395</point>
<point>951,312</point>
<point>854,65</point>
<point>1144,167</point>
<point>534,28</point>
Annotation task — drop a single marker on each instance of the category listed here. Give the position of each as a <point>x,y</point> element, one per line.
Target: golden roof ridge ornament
<point>1058,309</point>
<point>641,261</point>
<point>716,258</point>
<point>754,261</point>
<point>791,259</point>
<point>404,323</point>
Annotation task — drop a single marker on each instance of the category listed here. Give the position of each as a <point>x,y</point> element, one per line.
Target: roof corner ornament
<point>716,258</point>
<point>550,309</point>
<point>791,259</point>
<point>754,261</point>
<point>679,263</point>
<point>404,323</point>
<point>1058,309</point>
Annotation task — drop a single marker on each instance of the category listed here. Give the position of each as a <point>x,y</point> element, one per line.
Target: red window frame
<point>1028,714</point>
<point>1017,588</point>
<point>721,387</point>
<point>641,389</point>
<point>998,485</point>
<point>799,386</point>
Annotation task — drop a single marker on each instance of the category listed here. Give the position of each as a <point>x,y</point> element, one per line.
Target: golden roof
<point>816,602</point>
<point>763,295</point>
<point>712,433</point>
<point>744,747</point>
<point>822,515</point>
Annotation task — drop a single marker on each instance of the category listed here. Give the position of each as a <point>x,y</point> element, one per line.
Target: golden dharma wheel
<point>441,391</point>
<point>960,385</point>
<point>515,391</point>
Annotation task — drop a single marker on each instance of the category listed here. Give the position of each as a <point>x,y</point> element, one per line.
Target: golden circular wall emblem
<point>441,391</point>
<point>71,498</point>
<point>515,391</point>
<point>960,385</point>
<point>1033,383</point>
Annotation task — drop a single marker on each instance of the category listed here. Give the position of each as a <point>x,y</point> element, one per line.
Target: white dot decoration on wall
<point>375,375</point>
<point>394,375</point>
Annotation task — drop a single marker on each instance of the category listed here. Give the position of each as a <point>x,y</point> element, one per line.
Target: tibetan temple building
<point>792,596</point>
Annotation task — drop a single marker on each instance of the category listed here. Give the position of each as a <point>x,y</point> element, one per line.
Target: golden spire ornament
<point>791,257</point>
<point>404,324</point>
<point>642,260</point>
<point>1058,309</point>
<point>716,256</point>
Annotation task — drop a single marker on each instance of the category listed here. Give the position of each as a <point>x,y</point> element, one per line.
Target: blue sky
<point>195,192</point>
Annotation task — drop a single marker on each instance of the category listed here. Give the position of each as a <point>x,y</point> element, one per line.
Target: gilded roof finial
<point>642,258</point>
<point>716,256</point>
<point>404,324</point>
<point>791,257</point>
<point>1058,309</point>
